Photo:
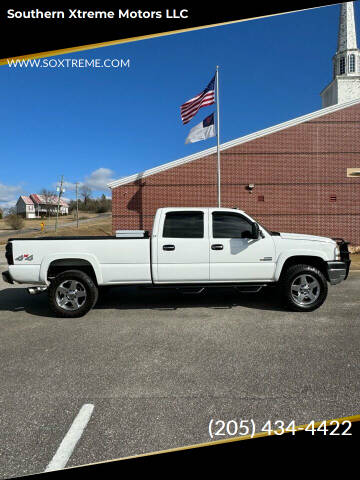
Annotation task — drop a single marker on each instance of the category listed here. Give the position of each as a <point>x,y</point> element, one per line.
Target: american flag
<point>190,108</point>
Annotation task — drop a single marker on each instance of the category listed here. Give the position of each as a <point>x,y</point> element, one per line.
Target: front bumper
<point>337,271</point>
<point>7,277</point>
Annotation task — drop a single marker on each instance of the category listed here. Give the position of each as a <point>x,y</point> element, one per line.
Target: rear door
<point>233,257</point>
<point>183,246</point>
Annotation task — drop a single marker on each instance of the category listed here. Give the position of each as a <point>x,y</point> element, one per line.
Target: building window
<point>352,63</point>
<point>342,65</point>
<point>184,225</point>
<point>332,198</point>
<point>261,198</point>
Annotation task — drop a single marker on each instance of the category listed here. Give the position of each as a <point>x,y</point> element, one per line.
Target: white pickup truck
<point>188,247</point>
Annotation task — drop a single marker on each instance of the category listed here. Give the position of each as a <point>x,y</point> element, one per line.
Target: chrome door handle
<point>217,246</point>
<point>169,247</point>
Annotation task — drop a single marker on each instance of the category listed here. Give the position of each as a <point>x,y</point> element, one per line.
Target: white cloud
<point>9,195</point>
<point>68,185</point>
<point>97,180</point>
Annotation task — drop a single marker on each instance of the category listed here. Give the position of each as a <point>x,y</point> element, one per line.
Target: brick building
<point>305,172</point>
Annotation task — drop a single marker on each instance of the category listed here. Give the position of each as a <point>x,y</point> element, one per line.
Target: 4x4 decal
<point>25,256</point>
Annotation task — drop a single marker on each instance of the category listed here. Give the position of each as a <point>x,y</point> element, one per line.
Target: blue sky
<point>93,125</point>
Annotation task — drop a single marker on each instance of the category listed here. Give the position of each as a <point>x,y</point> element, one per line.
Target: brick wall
<point>296,172</point>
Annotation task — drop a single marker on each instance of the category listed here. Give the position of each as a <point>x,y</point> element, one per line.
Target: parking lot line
<point>70,440</point>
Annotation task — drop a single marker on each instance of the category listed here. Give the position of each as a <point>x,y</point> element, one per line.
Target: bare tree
<point>49,199</point>
<point>85,192</point>
<point>14,221</point>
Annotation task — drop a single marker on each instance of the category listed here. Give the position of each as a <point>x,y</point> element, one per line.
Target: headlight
<point>337,253</point>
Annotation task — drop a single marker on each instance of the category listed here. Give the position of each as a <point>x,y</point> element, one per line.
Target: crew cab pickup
<point>188,247</point>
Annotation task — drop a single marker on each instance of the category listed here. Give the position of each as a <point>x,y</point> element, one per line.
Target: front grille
<point>344,253</point>
<point>9,253</point>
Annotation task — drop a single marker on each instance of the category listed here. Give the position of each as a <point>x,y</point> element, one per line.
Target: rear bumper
<point>7,277</point>
<point>337,271</point>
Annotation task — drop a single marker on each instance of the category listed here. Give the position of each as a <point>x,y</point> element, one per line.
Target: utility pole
<point>77,205</point>
<point>61,190</point>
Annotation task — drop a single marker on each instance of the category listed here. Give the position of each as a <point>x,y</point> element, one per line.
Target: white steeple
<point>345,85</point>
<point>347,31</point>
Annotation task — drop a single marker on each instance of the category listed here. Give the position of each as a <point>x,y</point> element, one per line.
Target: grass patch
<point>100,226</point>
<point>93,229</point>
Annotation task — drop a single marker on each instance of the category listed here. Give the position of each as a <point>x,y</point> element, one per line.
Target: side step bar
<point>191,290</point>
<point>194,290</point>
<point>250,288</point>
<point>36,290</point>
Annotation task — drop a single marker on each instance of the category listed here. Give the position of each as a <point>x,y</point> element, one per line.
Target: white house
<point>25,207</point>
<point>36,206</point>
<point>45,205</point>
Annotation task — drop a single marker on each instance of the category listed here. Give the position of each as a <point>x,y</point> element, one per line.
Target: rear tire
<point>72,294</point>
<point>304,288</point>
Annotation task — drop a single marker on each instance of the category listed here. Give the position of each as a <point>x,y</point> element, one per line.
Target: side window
<point>184,225</point>
<point>230,225</point>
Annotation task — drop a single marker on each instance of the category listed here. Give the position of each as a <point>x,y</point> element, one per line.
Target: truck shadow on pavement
<point>130,298</point>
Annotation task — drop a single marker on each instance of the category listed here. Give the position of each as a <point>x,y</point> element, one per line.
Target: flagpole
<point>218,137</point>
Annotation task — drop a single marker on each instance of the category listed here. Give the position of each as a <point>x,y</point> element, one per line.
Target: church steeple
<point>345,85</point>
<point>347,31</point>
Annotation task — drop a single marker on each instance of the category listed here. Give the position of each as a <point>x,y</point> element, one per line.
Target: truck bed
<point>114,260</point>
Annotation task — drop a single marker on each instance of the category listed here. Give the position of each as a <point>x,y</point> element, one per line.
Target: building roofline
<point>26,199</point>
<point>232,143</point>
<point>39,199</point>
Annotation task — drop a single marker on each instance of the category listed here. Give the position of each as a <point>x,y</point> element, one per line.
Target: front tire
<point>304,288</point>
<point>72,294</point>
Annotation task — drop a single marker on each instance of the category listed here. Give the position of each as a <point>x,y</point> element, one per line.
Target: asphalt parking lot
<point>157,366</point>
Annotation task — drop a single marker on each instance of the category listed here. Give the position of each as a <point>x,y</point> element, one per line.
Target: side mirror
<point>255,231</point>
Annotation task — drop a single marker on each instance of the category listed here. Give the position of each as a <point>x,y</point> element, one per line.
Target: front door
<point>234,256</point>
<point>183,247</point>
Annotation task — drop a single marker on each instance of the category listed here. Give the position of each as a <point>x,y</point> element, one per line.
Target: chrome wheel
<point>305,289</point>
<point>70,295</point>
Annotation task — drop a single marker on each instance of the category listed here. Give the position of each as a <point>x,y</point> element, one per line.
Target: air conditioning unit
<point>353,172</point>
